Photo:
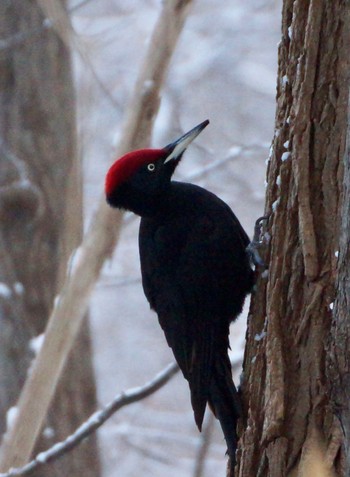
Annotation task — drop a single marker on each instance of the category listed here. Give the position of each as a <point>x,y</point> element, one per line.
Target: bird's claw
<point>253,247</point>
<point>257,228</point>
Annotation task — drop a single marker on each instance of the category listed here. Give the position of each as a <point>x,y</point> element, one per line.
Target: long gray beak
<point>177,148</point>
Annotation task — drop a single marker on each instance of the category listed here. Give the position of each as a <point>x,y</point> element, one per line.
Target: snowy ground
<point>224,69</point>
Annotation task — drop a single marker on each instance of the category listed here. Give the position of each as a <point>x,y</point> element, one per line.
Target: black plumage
<point>195,271</point>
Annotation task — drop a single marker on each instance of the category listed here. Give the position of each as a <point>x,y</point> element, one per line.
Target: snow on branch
<point>96,420</point>
<point>98,244</point>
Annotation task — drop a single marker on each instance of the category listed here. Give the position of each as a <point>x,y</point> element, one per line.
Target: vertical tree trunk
<point>339,357</point>
<point>41,217</point>
<point>285,387</point>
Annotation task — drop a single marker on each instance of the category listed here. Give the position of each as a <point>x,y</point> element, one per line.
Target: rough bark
<point>41,216</point>
<point>339,346</point>
<point>285,387</point>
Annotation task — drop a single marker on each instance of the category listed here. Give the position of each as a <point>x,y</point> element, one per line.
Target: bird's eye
<point>151,167</point>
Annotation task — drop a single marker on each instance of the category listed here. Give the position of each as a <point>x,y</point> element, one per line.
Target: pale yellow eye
<point>151,167</point>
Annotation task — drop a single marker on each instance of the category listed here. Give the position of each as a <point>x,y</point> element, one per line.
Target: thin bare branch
<point>97,246</point>
<point>96,420</point>
<point>234,153</point>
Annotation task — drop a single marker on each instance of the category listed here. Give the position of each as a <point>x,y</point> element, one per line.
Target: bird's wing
<point>205,273</point>
<point>192,344</point>
<point>191,273</point>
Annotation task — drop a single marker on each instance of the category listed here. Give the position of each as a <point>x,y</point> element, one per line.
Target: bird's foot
<point>255,244</point>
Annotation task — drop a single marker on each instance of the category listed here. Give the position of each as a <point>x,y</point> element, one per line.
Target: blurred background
<point>224,69</point>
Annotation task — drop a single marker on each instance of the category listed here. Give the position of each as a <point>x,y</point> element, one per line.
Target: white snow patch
<point>260,336</point>
<point>270,154</point>
<point>234,151</point>
<point>267,237</point>
<point>331,306</point>
<point>286,144</point>
<point>47,23</point>
<point>284,80</point>
<point>253,359</point>
<point>93,419</point>
<point>42,457</point>
<point>5,290</point>
<point>336,253</point>
<point>266,183</point>
<point>74,260</point>
<point>275,204</point>
<point>278,180</point>
<point>19,288</point>
<point>148,85</point>
<point>11,416</point>
<point>285,156</point>
<point>36,343</point>
<point>290,31</point>
<point>48,433</point>
<point>265,273</point>
<point>56,301</point>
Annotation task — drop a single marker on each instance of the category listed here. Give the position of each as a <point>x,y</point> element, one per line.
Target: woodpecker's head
<point>138,180</point>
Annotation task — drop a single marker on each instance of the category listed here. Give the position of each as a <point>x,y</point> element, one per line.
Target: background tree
<point>286,390</point>
<point>41,218</point>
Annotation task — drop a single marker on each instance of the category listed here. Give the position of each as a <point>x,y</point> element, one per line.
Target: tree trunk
<point>339,358</point>
<point>41,218</point>
<point>287,407</point>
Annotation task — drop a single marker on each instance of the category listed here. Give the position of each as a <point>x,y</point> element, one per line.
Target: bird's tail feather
<point>199,379</point>
<point>224,401</point>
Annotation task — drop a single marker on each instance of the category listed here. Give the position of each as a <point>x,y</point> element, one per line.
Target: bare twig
<point>234,153</point>
<point>97,246</point>
<point>96,420</point>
